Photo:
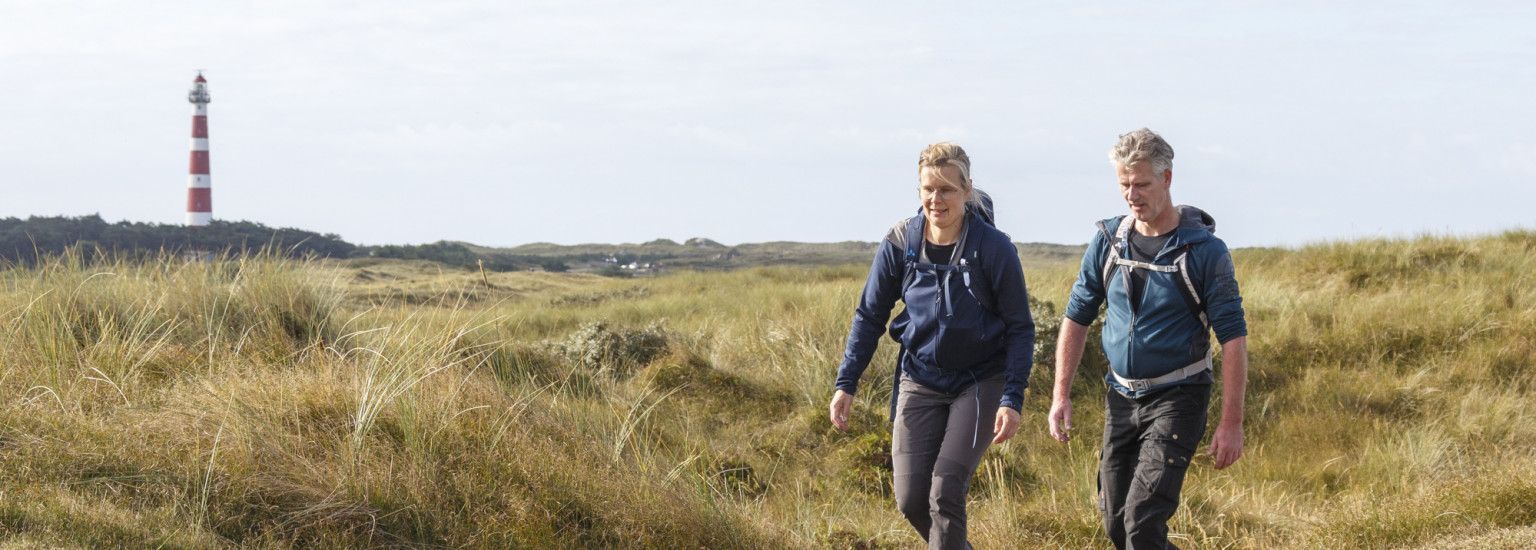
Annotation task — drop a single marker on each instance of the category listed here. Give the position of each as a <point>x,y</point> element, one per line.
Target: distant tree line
<point>24,240</point>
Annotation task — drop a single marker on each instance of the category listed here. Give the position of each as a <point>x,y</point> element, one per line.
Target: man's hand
<point>1226,445</point>
<point>1061,419</point>
<point>842,402</point>
<point>1006,425</point>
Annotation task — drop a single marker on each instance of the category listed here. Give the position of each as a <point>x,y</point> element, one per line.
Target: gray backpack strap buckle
<point>1141,384</point>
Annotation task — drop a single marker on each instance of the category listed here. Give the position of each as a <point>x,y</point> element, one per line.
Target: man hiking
<point>1166,282</point>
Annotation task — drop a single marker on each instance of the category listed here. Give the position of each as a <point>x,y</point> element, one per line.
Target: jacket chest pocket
<point>968,333</point>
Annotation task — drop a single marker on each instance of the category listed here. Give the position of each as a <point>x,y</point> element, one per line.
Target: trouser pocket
<point>1163,464</point>
<point>1170,443</point>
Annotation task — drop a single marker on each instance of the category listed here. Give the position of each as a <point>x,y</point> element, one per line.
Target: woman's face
<point>943,198</point>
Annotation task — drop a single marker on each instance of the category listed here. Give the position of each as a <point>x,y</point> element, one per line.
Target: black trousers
<point>1148,443</point>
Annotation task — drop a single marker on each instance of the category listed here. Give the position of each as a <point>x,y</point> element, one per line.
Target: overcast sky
<point>503,123</point>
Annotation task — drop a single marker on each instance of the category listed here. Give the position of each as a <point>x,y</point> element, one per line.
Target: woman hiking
<point>966,338</point>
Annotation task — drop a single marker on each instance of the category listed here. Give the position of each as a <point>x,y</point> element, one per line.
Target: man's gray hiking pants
<point>1148,443</point>
<point>937,445</point>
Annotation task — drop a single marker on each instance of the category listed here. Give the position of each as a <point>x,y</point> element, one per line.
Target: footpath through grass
<point>270,402</point>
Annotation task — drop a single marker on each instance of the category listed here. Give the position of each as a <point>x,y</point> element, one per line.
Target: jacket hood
<point>1195,225</point>
<point>1191,218</point>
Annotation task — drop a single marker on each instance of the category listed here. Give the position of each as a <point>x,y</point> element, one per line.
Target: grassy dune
<point>267,402</point>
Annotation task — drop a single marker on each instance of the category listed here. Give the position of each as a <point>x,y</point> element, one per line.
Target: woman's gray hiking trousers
<point>937,445</point>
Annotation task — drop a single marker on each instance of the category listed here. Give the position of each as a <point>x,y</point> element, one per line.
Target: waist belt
<point>1148,383</point>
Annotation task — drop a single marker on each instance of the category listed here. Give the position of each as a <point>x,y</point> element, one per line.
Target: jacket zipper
<point>950,306</point>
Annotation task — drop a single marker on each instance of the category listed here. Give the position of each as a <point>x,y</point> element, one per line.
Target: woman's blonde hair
<point>941,154</point>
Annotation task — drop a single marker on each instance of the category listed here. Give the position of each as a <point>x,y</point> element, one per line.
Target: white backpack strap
<point>1124,230</point>
<point>1183,267</point>
<point>1192,369</point>
<point>1114,249</point>
<point>1147,266</point>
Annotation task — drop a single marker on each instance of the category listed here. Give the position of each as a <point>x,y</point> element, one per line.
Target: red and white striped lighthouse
<point>199,185</point>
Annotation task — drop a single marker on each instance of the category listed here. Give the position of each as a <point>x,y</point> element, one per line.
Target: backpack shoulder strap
<point>1188,290</point>
<point>1117,244</point>
<point>912,237</point>
<point>912,234</point>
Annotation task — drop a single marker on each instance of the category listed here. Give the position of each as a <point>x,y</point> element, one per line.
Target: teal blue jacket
<point>1160,334</point>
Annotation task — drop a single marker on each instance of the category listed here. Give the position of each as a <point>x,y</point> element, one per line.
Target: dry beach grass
<point>268,402</point>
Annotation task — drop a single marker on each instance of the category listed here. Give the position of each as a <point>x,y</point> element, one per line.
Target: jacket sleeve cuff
<point>1015,403</point>
<point>850,389</point>
<point>1081,317</point>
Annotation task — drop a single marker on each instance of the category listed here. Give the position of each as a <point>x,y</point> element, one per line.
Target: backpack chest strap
<point>1180,265</point>
<point>1173,268</point>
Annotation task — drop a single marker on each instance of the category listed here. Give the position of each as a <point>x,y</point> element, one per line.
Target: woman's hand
<point>842,402</point>
<point>1006,425</point>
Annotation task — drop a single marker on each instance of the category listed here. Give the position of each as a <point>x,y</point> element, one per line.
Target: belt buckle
<point>1140,385</point>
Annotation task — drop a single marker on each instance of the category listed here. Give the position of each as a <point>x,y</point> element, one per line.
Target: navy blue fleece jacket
<point>941,350</point>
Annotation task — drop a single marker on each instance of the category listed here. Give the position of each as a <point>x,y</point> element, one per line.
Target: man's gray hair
<point>1142,145</point>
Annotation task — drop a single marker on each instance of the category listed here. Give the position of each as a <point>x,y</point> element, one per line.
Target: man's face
<point>1145,190</point>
